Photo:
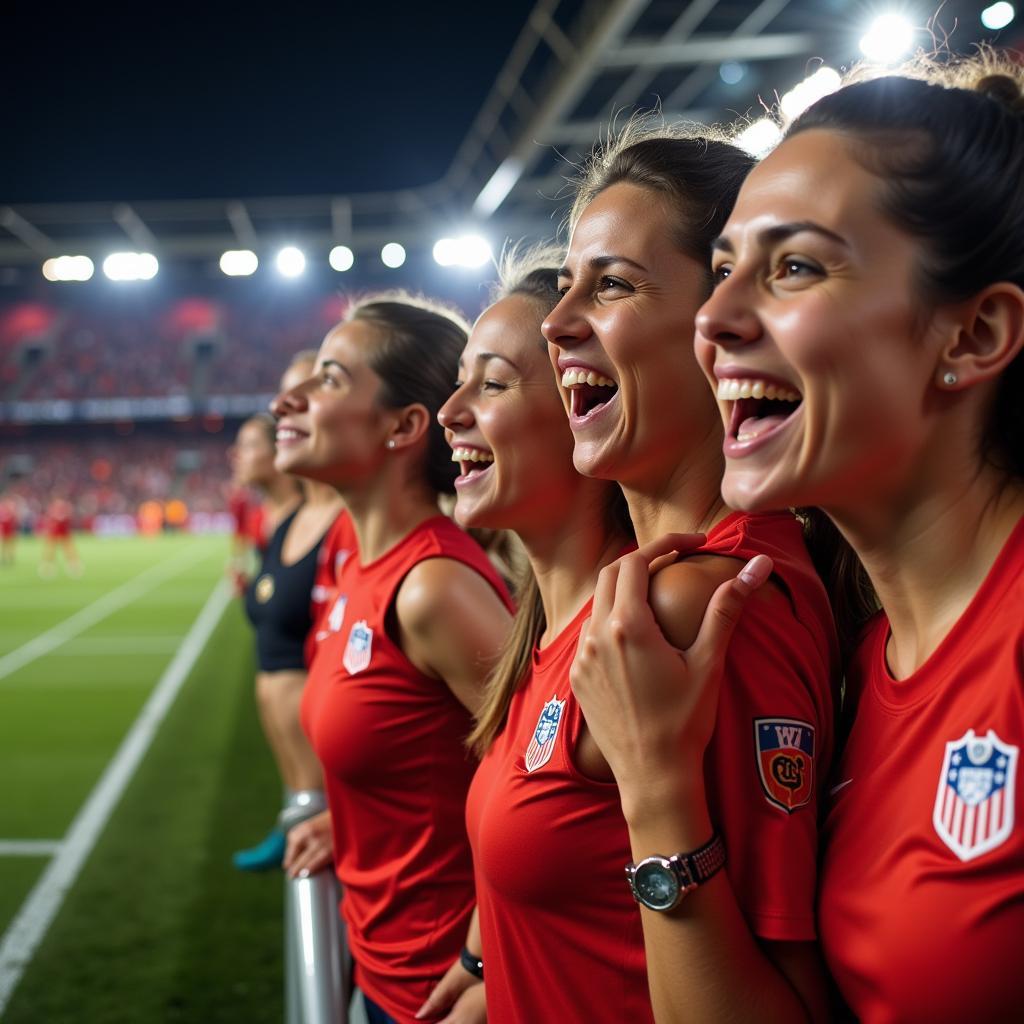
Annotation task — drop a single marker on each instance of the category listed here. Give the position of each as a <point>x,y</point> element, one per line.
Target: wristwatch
<point>661,883</point>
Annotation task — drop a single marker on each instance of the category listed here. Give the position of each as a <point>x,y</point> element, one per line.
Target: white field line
<point>27,930</point>
<point>29,847</point>
<point>103,606</point>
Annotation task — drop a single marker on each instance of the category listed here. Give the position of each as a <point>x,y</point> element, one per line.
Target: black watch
<point>661,883</point>
<point>472,963</point>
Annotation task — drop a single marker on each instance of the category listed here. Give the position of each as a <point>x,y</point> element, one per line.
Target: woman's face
<point>622,341</point>
<point>252,456</point>
<point>812,339</point>
<point>330,426</point>
<point>506,424</point>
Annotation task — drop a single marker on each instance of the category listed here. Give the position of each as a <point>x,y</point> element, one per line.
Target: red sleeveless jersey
<point>337,546</point>
<point>922,893</point>
<point>396,770</point>
<point>561,933</point>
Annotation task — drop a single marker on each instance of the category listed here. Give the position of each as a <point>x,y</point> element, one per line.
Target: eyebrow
<point>600,262</point>
<point>486,357</point>
<point>341,366</point>
<point>779,233</point>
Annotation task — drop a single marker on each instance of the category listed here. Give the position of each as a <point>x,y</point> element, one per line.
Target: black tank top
<point>277,602</point>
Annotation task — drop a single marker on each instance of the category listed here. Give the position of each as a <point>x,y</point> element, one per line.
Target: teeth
<point>574,377</point>
<point>471,455</point>
<point>730,390</point>
<point>286,434</point>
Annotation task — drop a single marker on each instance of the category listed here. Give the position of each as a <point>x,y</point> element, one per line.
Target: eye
<point>796,267</point>
<point>720,273</point>
<point>493,385</point>
<point>607,283</point>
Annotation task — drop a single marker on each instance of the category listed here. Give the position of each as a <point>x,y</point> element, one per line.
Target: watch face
<point>656,884</point>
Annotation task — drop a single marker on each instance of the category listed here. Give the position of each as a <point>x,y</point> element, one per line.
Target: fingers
<point>446,992</point>
<point>680,543</point>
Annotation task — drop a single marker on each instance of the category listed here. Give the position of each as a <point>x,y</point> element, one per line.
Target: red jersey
<point>396,770</point>
<point>338,545</point>
<point>8,520</point>
<point>238,507</point>
<point>550,844</point>
<point>922,892</point>
<point>58,520</point>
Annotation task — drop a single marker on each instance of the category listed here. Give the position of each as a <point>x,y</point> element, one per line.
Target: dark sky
<point>189,101</point>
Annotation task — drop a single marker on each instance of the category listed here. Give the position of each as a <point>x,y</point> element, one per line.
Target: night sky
<point>190,101</point>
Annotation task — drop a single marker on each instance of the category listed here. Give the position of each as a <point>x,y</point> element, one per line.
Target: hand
<point>310,846</point>
<point>644,700</point>
<point>460,994</point>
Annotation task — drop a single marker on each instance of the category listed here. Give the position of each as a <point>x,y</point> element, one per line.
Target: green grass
<point>159,926</point>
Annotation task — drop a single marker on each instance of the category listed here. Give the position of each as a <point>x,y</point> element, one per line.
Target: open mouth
<point>289,435</point>
<point>473,462</point>
<point>759,407</point>
<point>589,391</point>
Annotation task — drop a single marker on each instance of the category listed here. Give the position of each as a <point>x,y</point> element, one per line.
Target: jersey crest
<point>785,761</point>
<point>359,648</point>
<point>975,801</point>
<point>264,589</point>
<point>542,743</point>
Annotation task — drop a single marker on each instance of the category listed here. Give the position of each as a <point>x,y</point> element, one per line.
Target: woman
<point>535,811</point>
<point>718,944</point>
<point>280,604</point>
<point>392,690</point>
<point>874,267</point>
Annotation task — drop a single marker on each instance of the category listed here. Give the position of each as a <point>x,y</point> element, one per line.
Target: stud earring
<point>949,378</point>
<point>391,443</point>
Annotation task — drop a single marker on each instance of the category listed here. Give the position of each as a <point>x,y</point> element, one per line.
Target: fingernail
<point>304,873</point>
<point>756,571</point>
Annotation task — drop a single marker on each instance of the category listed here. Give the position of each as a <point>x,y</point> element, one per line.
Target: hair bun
<point>1004,89</point>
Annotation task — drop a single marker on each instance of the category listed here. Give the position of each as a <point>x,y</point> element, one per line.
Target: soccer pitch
<point>131,765</point>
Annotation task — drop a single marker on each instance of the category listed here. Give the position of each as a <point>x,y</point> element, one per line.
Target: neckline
<point>902,694</point>
<point>567,635</point>
<point>397,546</point>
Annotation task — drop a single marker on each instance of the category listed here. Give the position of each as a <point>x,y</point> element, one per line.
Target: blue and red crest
<point>359,648</point>
<point>974,805</point>
<point>542,743</point>
<point>785,760</point>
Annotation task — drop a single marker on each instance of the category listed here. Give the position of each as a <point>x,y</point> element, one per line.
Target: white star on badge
<point>1001,762</point>
<point>956,758</point>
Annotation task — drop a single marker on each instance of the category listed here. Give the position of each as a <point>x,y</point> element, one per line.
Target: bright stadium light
<point>239,262</point>
<point>731,72</point>
<point>998,16</point>
<point>810,90</point>
<point>890,37</point>
<point>758,138</point>
<point>290,262</point>
<point>341,258</point>
<point>467,251</point>
<point>392,255</point>
<point>68,268</point>
<point>130,266</point>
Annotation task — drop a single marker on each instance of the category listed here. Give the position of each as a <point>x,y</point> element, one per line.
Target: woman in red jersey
<point>717,943</point>
<point>391,692</point>
<point>57,526</point>
<point>506,425</point>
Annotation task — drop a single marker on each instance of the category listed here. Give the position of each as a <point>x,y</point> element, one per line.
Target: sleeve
<point>766,764</point>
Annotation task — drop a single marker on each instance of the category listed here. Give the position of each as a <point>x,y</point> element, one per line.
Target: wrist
<point>675,804</point>
<point>472,963</point>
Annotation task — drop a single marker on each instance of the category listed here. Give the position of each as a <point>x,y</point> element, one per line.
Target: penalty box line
<point>28,929</point>
<point>95,612</point>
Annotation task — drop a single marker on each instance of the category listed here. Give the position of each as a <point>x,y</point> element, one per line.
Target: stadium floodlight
<point>239,262</point>
<point>810,90</point>
<point>889,38</point>
<point>68,268</point>
<point>392,255</point>
<point>290,262</point>
<point>998,16</point>
<point>130,266</point>
<point>468,251</point>
<point>760,137</point>
<point>731,72</point>
<point>341,258</point>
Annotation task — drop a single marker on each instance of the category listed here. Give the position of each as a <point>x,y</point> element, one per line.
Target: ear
<point>409,425</point>
<point>986,335</point>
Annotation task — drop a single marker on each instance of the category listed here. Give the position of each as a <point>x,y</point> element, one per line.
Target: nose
<point>455,412</point>
<point>566,326</point>
<point>728,317</point>
<point>292,400</point>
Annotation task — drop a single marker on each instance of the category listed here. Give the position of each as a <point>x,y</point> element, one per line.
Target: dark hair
<point>417,360</point>
<point>533,273</point>
<point>946,140</point>
<point>698,172</point>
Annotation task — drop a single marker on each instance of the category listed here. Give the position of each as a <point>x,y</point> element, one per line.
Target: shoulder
<point>438,590</point>
<point>680,593</point>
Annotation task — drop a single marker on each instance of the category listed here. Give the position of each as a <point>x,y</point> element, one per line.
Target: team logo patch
<point>974,804</point>
<point>337,615</point>
<point>542,743</point>
<point>264,589</point>
<point>359,648</point>
<point>785,760</point>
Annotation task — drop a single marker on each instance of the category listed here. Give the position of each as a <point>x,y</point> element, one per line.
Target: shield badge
<point>785,761</point>
<point>975,801</point>
<point>264,589</point>
<point>359,648</point>
<point>542,743</point>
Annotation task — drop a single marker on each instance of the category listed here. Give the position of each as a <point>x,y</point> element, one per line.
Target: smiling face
<point>814,339</point>
<point>621,340</point>
<point>252,455</point>
<point>329,426</point>
<point>506,424</point>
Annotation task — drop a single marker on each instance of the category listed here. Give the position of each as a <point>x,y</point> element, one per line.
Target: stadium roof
<point>574,65</point>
